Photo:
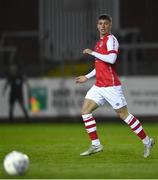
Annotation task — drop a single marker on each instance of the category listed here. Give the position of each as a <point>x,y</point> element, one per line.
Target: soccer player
<point>16,80</point>
<point>107,89</point>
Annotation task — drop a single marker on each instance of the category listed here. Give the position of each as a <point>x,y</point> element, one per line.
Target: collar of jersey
<point>107,34</point>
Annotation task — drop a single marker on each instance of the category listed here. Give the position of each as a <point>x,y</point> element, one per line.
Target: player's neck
<point>104,35</point>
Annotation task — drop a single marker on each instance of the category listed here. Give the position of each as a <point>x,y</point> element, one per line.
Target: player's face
<point>104,27</point>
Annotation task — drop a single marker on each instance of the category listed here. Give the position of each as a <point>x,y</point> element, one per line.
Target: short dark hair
<point>105,17</point>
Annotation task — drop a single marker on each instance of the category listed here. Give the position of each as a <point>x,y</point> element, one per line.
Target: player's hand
<point>87,51</point>
<point>81,79</point>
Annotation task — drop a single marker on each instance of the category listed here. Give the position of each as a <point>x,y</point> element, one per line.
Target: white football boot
<point>148,147</point>
<point>92,149</point>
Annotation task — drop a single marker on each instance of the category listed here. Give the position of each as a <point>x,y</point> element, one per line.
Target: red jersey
<point>105,72</point>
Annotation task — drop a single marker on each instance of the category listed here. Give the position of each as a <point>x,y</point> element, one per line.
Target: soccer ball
<point>16,163</point>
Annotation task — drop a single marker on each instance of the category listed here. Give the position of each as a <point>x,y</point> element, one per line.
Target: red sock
<point>136,126</point>
<point>90,125</point>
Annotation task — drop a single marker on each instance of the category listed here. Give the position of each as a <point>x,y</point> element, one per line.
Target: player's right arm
<point>84,78</point>
<point>112,51</point>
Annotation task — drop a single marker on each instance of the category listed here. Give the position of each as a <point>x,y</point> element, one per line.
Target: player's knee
<point>123,114</point>
<point>85,111</point>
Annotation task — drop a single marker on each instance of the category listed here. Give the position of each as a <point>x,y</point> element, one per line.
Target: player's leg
<point>89,121</point>
<point>115,96</point>
<point>11,108</point>
<point>21,103</point>
<point>137,128</point>
<point>88,107</point>
<point>134,123</point>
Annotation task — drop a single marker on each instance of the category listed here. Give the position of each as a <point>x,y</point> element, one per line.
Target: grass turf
<point>54,151</point>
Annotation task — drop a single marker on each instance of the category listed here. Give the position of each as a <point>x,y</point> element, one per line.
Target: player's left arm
<point>112,47</point>
<point>84,78</point>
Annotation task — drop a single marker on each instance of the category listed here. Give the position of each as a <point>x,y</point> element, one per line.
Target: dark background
<point>23,15</point>
<point>18,15</point>
<point>142,14</point>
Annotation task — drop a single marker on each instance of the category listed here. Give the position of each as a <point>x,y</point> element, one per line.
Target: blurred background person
<point>15,80</point>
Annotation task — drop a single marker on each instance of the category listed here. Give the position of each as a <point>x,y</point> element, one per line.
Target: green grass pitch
<point>54,151</point>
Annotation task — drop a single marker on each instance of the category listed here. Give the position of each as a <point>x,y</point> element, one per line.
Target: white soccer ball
<point>16,163</point>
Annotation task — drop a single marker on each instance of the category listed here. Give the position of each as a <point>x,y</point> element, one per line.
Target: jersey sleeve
<point>112,45</point>
<point>91,74</point>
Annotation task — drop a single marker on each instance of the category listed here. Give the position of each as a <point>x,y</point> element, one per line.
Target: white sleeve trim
<point>110,58</point>
<point>112,43</point>
<point>91,74</point>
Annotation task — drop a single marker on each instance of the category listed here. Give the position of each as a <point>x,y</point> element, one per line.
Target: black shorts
<point>14,98</point>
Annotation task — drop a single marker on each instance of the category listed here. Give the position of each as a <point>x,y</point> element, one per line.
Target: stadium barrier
<point>63,98</point>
